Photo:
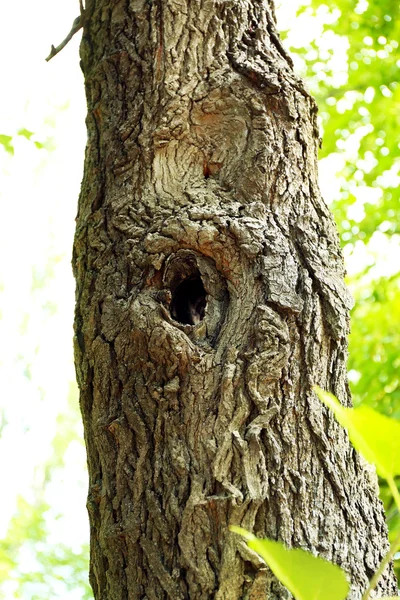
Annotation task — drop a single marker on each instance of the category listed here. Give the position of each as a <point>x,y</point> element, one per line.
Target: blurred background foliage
<point>349,54</point>
<point>352,66</point>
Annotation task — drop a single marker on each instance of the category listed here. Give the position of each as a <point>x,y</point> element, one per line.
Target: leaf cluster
<point>358,97</point>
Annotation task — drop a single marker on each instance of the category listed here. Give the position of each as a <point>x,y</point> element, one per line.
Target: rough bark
<point>210,298</point>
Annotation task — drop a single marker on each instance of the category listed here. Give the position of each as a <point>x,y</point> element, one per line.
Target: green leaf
<point>374,435</point>
<point>25,133</point>
<point>6,142</point>
<point>306,576</point>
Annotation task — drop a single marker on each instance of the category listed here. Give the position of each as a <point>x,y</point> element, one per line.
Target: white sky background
<point>38,199</point>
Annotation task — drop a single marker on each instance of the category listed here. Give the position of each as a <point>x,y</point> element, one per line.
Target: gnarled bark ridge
<point>210,299</point>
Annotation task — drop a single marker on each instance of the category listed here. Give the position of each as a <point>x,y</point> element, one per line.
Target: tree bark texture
<point>210,298</point>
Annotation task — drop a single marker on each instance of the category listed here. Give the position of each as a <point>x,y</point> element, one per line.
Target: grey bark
<point>210,298</point>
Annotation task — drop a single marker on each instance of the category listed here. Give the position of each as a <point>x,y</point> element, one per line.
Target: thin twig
<point>395,491</point>
<point>386,559</point>
<point>76,26</point>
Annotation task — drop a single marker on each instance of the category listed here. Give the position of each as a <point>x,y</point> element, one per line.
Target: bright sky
<point>38,196</point>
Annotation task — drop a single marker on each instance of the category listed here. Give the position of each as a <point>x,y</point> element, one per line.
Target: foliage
<point>303,574</point>
<point>8,141</point>
<point>352,65</point>
<point>374,360</point>
<point>358,98</point>
<point>375,436</point>
<point>32,568</point>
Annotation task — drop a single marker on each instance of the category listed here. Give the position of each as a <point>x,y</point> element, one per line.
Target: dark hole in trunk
<point>189,301</point>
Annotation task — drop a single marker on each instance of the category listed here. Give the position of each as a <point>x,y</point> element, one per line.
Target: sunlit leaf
<point>374,435</point>
<point>6,142</point>
<point>25,133</point>
<point>48,144</point>
<point>306,576</point>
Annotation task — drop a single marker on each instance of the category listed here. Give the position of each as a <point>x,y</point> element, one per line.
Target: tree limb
<point>76,26</point>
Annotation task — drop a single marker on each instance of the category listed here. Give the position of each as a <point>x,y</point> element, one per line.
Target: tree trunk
<point>210,298</point>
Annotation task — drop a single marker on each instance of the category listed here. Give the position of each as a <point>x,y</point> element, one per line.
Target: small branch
<point>76,26</point>
<point>395,492</point>
<point>386,560</point>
